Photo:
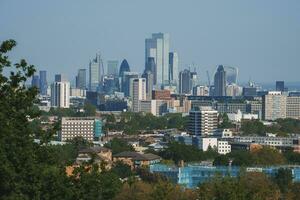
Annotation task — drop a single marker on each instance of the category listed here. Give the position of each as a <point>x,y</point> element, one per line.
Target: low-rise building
<point>89,128</point>
<point>136,160</point>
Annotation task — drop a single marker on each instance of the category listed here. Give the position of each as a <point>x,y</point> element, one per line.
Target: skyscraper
<point>96,73</point>
<point>280,86</point>
<point>138,93</point>
<point>35,81</point>
<point>149,83</point>
<point>185,82</point>
<point>157,47</point>
<point>124,67</point>
<point>81,79</point>
<point>173,68</point>
<point>112,67</point>
<point>127,76</point>
<point>60,94</point>
<point>43,82</point>
<point>220,82</point>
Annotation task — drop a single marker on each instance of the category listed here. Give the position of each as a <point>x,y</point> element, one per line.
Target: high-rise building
<point>60,94</point>
<point>125,86</point>
<point>280,86</point>
<point>157,47</point>
<point>43,82</point>
<point>173,68</point>
<point>201,90</point>
<point>81,79</point>
<point>35,82</point>
<point>138,93</point>
<point>293,107</point>
<point>60,78</point>
<point>231,74</point>
<point>149,83</point>
<point>124,67</point>
<point>274,106</point>
<point>220,82</point>
<point>185,82</point>
<point>203,121</point>
<point>96,73</point>
<point>112,68</point>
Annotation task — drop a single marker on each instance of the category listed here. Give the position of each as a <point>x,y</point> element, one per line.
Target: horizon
<point>257,36</point>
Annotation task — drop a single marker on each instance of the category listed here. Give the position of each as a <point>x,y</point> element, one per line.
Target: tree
<point>284,179</point>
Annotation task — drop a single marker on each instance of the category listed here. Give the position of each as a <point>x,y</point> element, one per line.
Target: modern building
<point>280,86</point>
<point>43,82</point>
<point>274,106</point>
<point>185,82</point>
<point>201,90</point>
<point>112,68</point>
<point>96,73</point>
<point>60,94</point>
<point>88,128</point>
<point>126,80</point>
<point>138,93</point>
<point>148,75</point>
<point>293,107</point>
<point>173,68</point>
<point>35,82</point>
<point>124,67</point>
<point>231,74</point>
<point>157,47</point>
<point>203,121</point>
<point>220,82</point>
<point>81,79</point>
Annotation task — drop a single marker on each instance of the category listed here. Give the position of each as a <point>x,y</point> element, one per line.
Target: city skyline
<point>257,36</point>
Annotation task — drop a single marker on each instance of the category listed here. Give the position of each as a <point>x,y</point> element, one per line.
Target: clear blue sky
<point>261,37</point>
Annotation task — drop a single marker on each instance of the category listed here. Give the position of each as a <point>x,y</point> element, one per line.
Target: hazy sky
<point>260,37</point>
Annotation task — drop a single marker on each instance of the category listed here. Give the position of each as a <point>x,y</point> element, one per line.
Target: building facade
<point>60,94</point>
<point>203,121</point>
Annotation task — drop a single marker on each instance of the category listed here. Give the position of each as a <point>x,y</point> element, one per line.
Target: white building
<point>85,127</point>
<point>274,106</point>
<point>224,147</point>
<point>158,47</point>
<point>205,142</point>
<point>138,93</point>
<point>60,94</point>
<point>203,121</point>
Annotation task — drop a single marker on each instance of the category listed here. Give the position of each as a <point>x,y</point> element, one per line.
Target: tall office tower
<point>112,68</point>
<point>60,94</point>
<point>158,47</point>
<point>43,82</point>
<point>124,67</point>
<point>203,121</point>
<point>231,74</point>
<point>185,82</point>
<point>125,87</point>
<point>173,68</point>
<point>138,93</point>
<point>81,79</point>
<point>60,78</point>
<point>96,73</point>
<point>201,90</point>
<point>220,82</point>
<point>35,81</point>
<point>274,106</point>
<point>149,83</point>
<point>280,86</point>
